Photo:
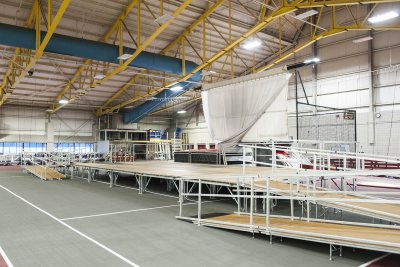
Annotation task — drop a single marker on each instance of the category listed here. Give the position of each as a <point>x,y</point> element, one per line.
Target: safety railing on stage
<point>10,159</point>
<point>293,155</point>
<point>301,184</point>
<point>131,151</point>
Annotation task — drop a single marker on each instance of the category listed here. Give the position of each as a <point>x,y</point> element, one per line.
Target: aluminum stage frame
<point>232,177</point>
<point>248,183</point>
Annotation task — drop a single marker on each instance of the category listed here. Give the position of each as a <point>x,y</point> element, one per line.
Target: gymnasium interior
<point>200,133</point>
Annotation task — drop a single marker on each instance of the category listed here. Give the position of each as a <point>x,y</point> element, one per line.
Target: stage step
<point>44,172</point>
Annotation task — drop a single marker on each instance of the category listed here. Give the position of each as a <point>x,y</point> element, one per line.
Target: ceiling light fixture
<point>251,43</point>
<point>164,18</point>
<point>307,62</point>
<point>181,112</point>
<point>124,56</point>
<point>306,14</point>
<point>363,39</point>
<point>312,60</point>
<point>383,17</point>
<point>63,101</point>
<point>176,88</point>
<point>207,72</point>
<point>99,76</point>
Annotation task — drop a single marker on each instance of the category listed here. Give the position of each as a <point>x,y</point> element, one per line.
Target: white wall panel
<point>343,66</point>
<point>343,83</point>
<point>387,57</point>
<point>345,99</point>
<point>387,95</point>
<point>28,124</point>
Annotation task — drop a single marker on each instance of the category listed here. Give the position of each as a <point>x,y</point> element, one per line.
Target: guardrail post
<point>238,198</point>
<point>244,160</point>
<point>273,157</point>
<point>268,204</point>
<point>308,198</point>
<point>291,200</point>
<point>251,203</point>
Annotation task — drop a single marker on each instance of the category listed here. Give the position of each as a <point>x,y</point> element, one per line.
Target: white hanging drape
<point>251,108</point>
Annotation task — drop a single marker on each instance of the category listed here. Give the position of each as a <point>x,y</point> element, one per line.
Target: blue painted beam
<point>21,37</point>
<point>143,110</point>
<point>66,45</point>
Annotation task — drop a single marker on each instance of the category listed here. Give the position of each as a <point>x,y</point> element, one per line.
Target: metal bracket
<point>332,249</point>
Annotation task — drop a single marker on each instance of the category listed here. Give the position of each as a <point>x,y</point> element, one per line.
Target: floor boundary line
<point>73,229</point>
<point>6,259</point>
<point>117,212</point>
<point>134,210</point>
<point>374,260</point>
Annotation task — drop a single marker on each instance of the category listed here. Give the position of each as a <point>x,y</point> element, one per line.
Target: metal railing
<point>297,177</point>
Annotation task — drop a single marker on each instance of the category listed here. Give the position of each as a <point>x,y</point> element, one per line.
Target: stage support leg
<point>332,249</point>
<point>213,190</point>
<point>170,185</point>
<point>113,178</point>
<point>142,184</point>
<point>181,192</point>
<point>89,175</point>
<point>199,205</point>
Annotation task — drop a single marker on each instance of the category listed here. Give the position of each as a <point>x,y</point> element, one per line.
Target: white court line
<point>117,212</point>
<point>374,260</point>
<point>6,259</point>
<point>72,228</point>
<point>129,211</point>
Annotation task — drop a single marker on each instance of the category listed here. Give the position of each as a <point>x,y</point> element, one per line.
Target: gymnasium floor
<point>76,223</point>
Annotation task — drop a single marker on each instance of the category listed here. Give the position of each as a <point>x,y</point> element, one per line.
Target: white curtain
<point>251,108</point>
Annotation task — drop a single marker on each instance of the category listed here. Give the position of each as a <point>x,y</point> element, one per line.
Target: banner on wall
<point>251,108</point>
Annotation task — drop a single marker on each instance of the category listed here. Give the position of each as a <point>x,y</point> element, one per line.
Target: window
<point>35,147</point>
<point>15,148</point>
<point>10,148</point>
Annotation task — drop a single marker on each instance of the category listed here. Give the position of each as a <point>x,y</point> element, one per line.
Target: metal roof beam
<point>106,36</point>
<point>267,20</point>
<point>40,44</point>
<point>168,48</point>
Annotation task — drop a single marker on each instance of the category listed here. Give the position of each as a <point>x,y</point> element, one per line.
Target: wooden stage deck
<point>229,175</point>
<point>374,238</point>
<point>44,172</point>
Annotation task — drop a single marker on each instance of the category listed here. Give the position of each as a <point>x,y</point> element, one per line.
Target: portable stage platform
<point>252,182</point>
<point>385,239</point>
<point>232,176</point>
